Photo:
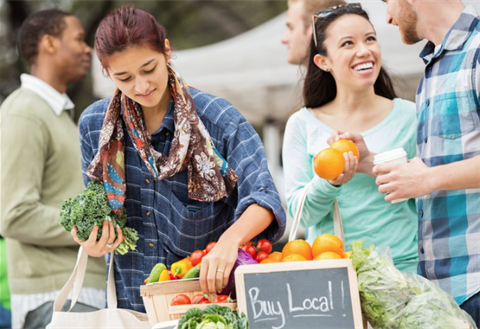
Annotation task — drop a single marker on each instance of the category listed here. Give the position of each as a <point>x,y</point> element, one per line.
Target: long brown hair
<point>319,86</point>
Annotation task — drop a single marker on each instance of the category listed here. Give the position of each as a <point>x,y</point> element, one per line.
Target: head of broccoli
<point>91,208</point>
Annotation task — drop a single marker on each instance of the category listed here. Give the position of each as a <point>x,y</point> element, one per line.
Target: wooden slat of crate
<point>158,296</point>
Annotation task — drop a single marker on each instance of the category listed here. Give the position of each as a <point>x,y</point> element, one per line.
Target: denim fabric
<point>169,224</point>
<point>5,318</point>
<point>472,307</point>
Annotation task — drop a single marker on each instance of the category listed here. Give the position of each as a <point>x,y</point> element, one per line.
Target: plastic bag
<point>392,299</point>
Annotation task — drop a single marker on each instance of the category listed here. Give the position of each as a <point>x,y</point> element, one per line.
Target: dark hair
<point>125,27</point>
<point>319,86</point>
<point>38,24</point>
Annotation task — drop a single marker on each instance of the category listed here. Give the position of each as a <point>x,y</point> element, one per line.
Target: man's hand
<point>403,181</point>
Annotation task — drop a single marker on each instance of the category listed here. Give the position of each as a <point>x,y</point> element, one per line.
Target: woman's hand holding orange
<point>351,163</point>
<point>365,163</point>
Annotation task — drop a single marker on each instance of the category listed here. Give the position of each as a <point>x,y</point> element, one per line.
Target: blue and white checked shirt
<point>169,224</point>
<point>448,111</point>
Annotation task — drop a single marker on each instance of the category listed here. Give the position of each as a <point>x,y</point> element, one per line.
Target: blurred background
<point>228,48</point>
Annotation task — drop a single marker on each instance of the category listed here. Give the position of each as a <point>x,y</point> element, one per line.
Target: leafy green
<point>392,299</point>
<point>213,317</point>
<point>91,207</point>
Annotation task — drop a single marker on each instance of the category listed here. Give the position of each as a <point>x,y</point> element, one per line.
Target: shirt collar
<point>58,102</point>
<point>456,36</point>
<point>168,120</point>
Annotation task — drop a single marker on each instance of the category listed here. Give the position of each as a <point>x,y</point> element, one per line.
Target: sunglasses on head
<point>327,12</point>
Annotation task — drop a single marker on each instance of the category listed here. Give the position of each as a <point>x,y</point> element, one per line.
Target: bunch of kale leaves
<point>91,208</point>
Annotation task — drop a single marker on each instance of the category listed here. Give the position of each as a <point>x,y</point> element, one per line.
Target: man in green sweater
<point>40,167</point>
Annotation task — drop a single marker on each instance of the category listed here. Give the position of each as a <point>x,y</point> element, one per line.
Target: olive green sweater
<point>40,167</point>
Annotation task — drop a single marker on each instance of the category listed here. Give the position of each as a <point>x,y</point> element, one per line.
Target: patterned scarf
<point>209,176</point>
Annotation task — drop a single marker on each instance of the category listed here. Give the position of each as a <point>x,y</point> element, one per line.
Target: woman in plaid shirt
<point>186,166</point>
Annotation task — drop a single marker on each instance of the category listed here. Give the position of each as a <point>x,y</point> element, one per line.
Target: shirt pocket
<point>192,230</point>
<point>455,116</point>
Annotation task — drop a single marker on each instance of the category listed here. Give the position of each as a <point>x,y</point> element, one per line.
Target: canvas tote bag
<point>337,220</point>
<point>111,317</point>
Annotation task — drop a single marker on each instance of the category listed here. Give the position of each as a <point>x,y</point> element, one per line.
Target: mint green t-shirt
<point>365,214</point>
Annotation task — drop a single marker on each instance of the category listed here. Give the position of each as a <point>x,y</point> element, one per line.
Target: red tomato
<point>221,299</point>
<point>180,299</point>
<point>250,249</point>
<point>205,301</point>
<point>196,257</point>
<point>210,246</point>
<point>261,256</point>
<point>197,299</point>
<point>264,245</point>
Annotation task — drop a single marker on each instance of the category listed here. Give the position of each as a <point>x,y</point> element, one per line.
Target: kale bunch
<point>91,208</point>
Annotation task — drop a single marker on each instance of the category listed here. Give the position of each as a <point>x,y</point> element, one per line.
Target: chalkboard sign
<point>311,294</point>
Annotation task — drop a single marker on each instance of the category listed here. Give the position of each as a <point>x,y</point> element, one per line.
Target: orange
<point>328,255</point>
<point>276,255</point>
<point>348,254</point>
<point>327,242</point>
<point>328,163</point>
<point>300,247</point>
<point>269,260</point>
<point>345,145</point>
<point>294,258</point>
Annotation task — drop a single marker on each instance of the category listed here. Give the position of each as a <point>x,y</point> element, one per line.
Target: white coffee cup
<point>393,156</point>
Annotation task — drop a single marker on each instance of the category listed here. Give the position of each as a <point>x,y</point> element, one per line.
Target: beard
<point>407,23</point>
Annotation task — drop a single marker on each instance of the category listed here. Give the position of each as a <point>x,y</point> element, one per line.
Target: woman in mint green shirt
<point>347,90</point>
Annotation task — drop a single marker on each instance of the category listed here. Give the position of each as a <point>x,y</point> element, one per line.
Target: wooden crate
<point>158,296</point>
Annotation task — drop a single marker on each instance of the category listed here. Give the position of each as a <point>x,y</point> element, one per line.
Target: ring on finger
<point>219,270</point>
<point>109,245</point>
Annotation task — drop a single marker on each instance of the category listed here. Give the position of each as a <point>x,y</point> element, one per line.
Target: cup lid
<point>389,155</point>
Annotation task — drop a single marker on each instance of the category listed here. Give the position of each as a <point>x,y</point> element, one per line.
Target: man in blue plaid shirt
<point>445,178</point>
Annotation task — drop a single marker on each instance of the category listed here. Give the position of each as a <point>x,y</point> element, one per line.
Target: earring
<point>327,69</point>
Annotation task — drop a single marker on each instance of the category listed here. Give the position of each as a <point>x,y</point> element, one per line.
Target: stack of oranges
<point>325,246</point>
<point>329,163</point>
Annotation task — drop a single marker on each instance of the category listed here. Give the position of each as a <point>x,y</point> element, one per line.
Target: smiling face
<point>297,35</point>
<point>353,54</point>
<point>141,74</point>
<point>400,13</point>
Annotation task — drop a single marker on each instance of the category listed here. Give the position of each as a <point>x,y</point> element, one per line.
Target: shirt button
<point>167,133</point>
<point>420,213</point>
<point>427,102</point>
<point>151,244</point>
<point>147,181</point>
<point>148,213</point>
<point>426,140</point>
<point>422,250</point>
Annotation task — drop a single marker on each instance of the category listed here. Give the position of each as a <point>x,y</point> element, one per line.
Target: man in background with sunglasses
<point>298,34</point>
<point>445,178</point>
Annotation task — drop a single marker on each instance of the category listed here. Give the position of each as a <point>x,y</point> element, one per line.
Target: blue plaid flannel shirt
<point>169,224</point>
<point>448,111</point>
